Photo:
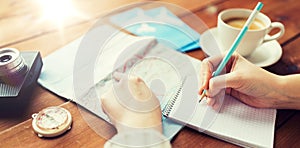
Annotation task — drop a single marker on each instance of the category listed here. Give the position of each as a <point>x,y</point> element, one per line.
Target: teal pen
<point>235,44</point>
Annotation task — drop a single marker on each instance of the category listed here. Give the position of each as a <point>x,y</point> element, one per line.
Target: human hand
<point>245,81</point>
<point>130,104</point>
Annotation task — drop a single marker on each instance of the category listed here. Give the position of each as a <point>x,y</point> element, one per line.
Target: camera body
<point>18,72</point>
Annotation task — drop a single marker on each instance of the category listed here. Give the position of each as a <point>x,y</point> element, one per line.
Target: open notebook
<point>143,57</point>
<point>234,122</point>
<point>163,69</point>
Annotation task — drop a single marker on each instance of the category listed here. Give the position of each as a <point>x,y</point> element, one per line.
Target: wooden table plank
<point>28,20</point>
<point>27,17</point>
<point>195,139</point>
<point>17,112</point>
<point>288,134</point>
<point>80,135</point>
<point>282,117</point>
<point>290,60</point>
<point>48,43</point>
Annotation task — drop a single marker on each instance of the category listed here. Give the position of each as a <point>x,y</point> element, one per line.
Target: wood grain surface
<point>23,26</point>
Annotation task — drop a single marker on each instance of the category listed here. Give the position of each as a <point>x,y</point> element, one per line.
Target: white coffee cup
<point>253,38</point>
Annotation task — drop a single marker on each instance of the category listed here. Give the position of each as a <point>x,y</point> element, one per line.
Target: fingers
<point>104,99</point>
<point>214,61</point>
<point>216,101</point>
<point>205,75</point>
<point>215,86</point>
<point>123,78</point>
<point>109,101</point>
<point>208,65</point>
<point>118,76</point>
<point>132,91</point>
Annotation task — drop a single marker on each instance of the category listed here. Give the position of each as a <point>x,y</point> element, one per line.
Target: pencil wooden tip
<point>201,97</point>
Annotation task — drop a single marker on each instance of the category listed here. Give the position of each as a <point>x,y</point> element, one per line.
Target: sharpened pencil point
<point>202,96</point>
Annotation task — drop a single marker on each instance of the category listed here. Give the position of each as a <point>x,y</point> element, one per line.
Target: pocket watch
<point>51,121</point>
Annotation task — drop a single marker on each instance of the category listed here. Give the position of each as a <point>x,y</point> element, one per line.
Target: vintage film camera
<point>18,71</point>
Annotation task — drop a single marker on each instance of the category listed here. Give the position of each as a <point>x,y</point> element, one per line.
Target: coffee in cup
<point>230,23</point>
<point>238,22</point>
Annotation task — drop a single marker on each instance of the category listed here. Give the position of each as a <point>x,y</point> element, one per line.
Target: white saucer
<point>265,55</point>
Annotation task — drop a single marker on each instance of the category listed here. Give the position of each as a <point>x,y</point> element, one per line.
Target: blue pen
<point>235,43</point>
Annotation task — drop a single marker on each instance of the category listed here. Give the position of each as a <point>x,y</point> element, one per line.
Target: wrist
<point>288,88</point>
<point>141,138</point>
<point>122,128</point>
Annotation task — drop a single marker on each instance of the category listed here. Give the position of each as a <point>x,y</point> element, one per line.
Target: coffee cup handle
<point>278,34</point>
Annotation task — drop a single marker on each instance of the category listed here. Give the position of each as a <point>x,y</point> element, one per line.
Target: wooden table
<point>23,26</point>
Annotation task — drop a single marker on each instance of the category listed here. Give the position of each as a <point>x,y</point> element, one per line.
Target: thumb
<point>106,97</point>
<point>216,84</point>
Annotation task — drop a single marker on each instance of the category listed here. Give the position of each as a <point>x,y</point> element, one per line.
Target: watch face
<point>51,121</point>
<point>51,118</point>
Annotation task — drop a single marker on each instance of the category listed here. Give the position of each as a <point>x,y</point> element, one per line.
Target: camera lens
<point>12,66</point>
<point>5,58</point>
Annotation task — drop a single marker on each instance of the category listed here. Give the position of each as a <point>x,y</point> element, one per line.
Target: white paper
<point>58,72</point>
<point>235,122</point>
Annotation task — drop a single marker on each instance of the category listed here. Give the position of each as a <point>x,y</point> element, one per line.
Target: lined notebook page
<point>235,122</point>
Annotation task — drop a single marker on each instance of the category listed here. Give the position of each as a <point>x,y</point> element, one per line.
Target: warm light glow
<point>57,10</point>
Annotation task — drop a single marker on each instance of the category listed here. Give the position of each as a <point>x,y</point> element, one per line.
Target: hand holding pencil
<point>235,44</point>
